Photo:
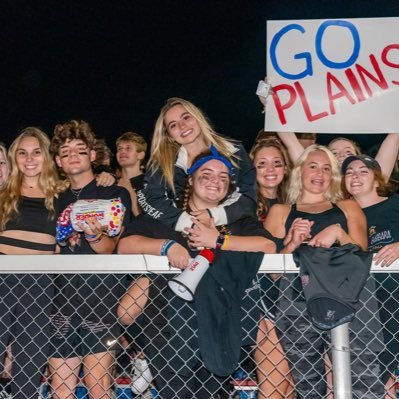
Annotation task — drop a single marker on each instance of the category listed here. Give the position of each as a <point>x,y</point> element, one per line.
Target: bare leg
<point>274,377</point>
<point>390,388</point>
<point>329,376</point>
<point>64,377</point>
<point>7,363</point>
<point>133,302</point>
<point>98,377</point>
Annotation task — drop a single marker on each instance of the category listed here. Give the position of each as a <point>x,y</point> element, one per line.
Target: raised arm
<point>292,144</point>
<point>388,154</point>
<point>289,139</point>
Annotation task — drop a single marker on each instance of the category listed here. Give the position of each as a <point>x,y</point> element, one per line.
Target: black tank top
<point>291,284</point>
<point>321,220</point>
<point>33,216</point>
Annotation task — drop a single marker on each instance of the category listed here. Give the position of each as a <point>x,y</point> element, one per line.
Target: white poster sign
<point>333,76</point>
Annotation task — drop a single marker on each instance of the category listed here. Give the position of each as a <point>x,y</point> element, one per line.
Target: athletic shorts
<point>72,337</point>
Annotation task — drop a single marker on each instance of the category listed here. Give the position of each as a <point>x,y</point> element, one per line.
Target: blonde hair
<point>263,206</point>
<point>164,149</point>
<point>49,183</point>
<point>333,193</point>
<point>3,150</point>
<point>132,137</point>
<point>351,142</point>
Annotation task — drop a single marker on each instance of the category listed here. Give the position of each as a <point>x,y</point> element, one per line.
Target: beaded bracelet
<point>166,246</point>
<point>226,242</point>
<point>220,241</point>
<point>94,238</point>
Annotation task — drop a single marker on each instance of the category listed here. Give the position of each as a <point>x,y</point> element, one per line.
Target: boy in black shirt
<point>84,321</point>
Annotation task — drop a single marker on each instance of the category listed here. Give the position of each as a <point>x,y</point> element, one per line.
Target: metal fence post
<point>341,360</point>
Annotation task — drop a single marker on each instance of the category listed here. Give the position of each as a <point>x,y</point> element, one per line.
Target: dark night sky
<point>113,63</point>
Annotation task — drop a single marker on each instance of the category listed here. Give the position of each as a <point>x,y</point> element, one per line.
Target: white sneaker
<point>5,395</point>
<point>142,377</point>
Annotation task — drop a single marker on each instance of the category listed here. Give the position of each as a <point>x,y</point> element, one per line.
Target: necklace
<point>76,192</point>
<point>28,186</point>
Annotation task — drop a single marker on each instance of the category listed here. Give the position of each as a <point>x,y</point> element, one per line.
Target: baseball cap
<point>371,163</point>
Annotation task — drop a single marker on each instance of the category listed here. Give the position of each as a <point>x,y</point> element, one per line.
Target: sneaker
<point>4,394</point>
<point>5,389</point>
<point>142,376</point>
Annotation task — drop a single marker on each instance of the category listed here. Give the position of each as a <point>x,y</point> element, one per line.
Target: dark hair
<point>307,136</point>
<point>189,188</point>
<point>72,130</point>
<point>383,189</point>
<point>263,204</point>
<point>102,152</point>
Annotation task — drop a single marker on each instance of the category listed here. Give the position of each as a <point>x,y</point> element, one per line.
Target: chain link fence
<point>138,340</point>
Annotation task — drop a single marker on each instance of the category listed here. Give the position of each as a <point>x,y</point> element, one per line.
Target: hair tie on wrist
<point>166,246</point>
<point>93,239</point>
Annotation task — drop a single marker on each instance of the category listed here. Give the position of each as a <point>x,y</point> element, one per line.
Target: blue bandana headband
<point>215,155</point>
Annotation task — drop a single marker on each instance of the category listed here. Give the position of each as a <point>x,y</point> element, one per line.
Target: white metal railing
<point>65,264</point>
<point>120,264</point>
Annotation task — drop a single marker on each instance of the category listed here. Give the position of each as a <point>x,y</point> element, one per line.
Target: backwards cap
<point>371,163</point>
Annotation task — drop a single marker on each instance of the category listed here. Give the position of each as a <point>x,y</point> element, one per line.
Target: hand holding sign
<point>333,76</point>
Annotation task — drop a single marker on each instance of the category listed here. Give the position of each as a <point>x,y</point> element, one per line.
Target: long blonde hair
<point>164,150</point>
<point>3,150</point>
<point>334,192</point>
<point>49,183</point>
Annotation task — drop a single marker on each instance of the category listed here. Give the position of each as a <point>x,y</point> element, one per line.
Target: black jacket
<point>332,280</point>
<point>158,200</point>
<point>212,323</point>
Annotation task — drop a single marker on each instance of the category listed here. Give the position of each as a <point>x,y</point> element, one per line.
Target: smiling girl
<point>209,183</point>
<point>27,224</point>
<point>181,133</point>
<point>315,215</point>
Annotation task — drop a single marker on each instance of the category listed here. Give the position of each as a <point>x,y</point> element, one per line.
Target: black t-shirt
<point>90,296</point>
<point>92,191</point>
<point>137,182</point>
<point>382,223</point>
<point>383,229</point>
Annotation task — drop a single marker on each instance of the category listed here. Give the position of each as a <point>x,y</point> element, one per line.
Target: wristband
<point>226,242</point>
<point>93,239</point>
<point>166,246</point>
<point>220,241</point>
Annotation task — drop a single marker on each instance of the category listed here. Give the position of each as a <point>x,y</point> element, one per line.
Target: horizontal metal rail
<point>131,264</point>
